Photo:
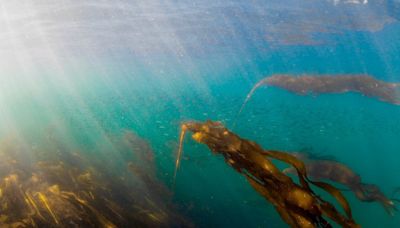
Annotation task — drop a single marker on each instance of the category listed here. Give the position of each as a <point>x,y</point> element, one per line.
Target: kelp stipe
<point>180,150</point>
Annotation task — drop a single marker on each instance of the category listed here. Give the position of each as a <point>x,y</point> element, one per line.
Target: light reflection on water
<point>77,75</point>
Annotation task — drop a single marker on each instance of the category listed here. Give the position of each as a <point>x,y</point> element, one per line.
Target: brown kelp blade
<point>180,149</point>
<point>44,200</point>
<point>336,194</point>
<point>292,160</point>
<point>261,189</point>
<point>302,174</point>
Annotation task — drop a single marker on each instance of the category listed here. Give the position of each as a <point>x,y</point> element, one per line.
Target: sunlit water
<point>84,73</point>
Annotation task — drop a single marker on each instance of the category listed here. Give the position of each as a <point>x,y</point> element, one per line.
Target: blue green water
<point>95,98</point>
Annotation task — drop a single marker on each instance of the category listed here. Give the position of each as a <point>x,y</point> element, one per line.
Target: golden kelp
<point>52,186</point>
<point>296,203</point>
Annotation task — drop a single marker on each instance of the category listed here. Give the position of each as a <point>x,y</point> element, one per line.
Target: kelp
<point>53,186</point>
<point>319,169</point>
<point>297,204</point>
<point>325,84</point>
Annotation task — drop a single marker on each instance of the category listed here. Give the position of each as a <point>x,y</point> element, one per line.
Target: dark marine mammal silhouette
<point>322,169</point>
<point>331,84</point>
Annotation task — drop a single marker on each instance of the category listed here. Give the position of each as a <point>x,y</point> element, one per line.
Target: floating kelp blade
<point>297,204</point>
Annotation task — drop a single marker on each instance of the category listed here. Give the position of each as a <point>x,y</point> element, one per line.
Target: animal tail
<point>373,193</point>
<point>249,95</point>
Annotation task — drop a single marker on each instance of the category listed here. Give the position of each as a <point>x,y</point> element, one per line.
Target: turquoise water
<point>97,96</point>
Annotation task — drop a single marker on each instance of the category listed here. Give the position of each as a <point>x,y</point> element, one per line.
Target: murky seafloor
<point>93,94</point>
